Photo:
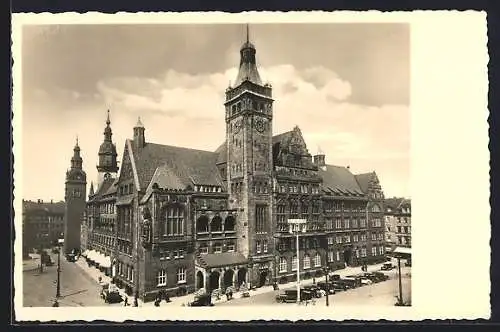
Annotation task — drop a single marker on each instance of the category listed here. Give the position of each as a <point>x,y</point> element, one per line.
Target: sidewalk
<point>31,264</point>
<point>94,273</point>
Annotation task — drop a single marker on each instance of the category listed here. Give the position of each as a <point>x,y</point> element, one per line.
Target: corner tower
<point>107,166</point>
<point>75,193</point>
<point>249,115</point>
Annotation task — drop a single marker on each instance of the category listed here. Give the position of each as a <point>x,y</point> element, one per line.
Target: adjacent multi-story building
<point>181,219</point>
<point>43,224</point>
<point>397,222</point>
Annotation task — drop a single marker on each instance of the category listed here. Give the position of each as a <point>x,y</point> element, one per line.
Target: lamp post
<point>297,226</point>
<point>326,270</point>
<point>399,277</point>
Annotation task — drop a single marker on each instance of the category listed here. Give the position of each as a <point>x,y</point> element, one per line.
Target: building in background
<point>43,224</point>
<point>177,220</point>
<point>75,197</point>
<point>397,222</point>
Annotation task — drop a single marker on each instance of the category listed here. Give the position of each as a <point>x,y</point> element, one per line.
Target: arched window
<point>202,224</point>
<point>174,220</point>
<point>375,208</point>
<point>307,261</point>
<point>229,223</point>
<point>283,264</point>
<point>216,225</point>
<point>317,260</point>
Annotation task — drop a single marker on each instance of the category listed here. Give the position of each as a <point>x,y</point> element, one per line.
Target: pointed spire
<point>108,122</point>
<point>139,123</point>
<point>76,140</point>
<point>248,33</point>
<point>91,191</point>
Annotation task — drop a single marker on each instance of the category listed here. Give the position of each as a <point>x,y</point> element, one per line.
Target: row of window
<point>218,248</point>
<point>299,188</point>
<point>102,239</point>
<point>161,276</point>
<point>126,189</point>
<point>293,171</point>
<point>261,246</point>
<point>204,225</point>
<point>306,262</point>
<point>125,247</point>
<point>175,254</point>
<point>355,238</point>
<point>124,220</point>
<point>403,229</point>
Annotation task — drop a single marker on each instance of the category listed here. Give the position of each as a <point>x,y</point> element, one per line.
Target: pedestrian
<point>99,279</point>
<point>157,303</point>
<point>166,297</point>
<point>125,303</point>
<point>136,303</point>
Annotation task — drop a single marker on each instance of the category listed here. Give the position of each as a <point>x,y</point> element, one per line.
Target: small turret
<point>139,138</point>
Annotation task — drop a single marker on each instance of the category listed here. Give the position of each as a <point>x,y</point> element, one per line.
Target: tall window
<point>216,224</point>
<point>374,251</point>
<point>331,256</point>
<point>281,213</point>
<point>347,223</point>
<point>338,223</point>
<point>380,250</point>
<point>317,260</point>
<point>338,255</point>
<point>283,264</point>
<point>261,219</point>
<point>330,240</point>
<point>174,220</point>
<point>293,211</point>
<point>307,262</point>
<point>161,278</point>
<point>258,247</point>
<point>181,275</point>
<point>294,263</point>
<point>264,246</point>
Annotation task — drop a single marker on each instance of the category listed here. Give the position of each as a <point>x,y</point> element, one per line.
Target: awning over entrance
<point>224,259</point>
<point>402,252</point>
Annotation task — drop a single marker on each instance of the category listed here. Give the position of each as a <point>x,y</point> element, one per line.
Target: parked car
<point>110,293</point>
<point>380,276</point>
<point>290,296</point>
<point>327,287</point>
<point>356,278</point>
<point>315,290</point>
<point>71,257</point>
<point>204,300</point>
<point>387,267</point>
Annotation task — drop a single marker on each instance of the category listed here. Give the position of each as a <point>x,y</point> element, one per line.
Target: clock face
<point>260,124</point>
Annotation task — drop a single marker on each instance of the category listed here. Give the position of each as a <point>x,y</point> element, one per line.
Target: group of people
<point>162,295</point>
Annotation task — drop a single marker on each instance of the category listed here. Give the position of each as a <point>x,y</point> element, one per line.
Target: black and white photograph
<point>236,164</point>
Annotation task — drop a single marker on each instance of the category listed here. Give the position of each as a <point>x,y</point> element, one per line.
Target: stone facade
<point>75,197</point>
<point>398,222</point>
<point>188,219</point>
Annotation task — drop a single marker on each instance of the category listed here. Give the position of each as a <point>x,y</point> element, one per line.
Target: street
<point>77,288</point>
<point>379,294</point>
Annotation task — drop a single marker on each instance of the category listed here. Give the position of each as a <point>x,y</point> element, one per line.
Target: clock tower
<point>75,193</point>
<point>248,118</point>
<point>108,166</point>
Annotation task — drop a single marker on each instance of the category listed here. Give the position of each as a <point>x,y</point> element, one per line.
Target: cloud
<point>187,110</point>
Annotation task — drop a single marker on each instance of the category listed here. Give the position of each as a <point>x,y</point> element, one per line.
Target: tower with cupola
<point>249,115</point>
<point>108,165</point>
<point>75,197</point>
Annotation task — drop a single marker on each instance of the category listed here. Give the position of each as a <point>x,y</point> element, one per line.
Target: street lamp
<point>327,270</point>
<point>297,226</point>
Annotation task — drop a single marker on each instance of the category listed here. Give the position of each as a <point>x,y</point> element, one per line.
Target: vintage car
<point>204,300</point>
<point>380,276</point>
<point>356,279</point>
<point>290,296</point>
<point>350,282</point>
<point>387,267</point>
<point>315,290</point>
<point>71,257</point>
<point>110,293</point>
<point>327,287</point>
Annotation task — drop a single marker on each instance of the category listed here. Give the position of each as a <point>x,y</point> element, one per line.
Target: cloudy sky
<point>345,85</point>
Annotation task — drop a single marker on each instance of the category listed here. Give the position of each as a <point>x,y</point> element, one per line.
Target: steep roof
<point>54,208</point>
<point>177,165</point>
<point>282,137</point>
<point>364,180</point>
<point>397,202</point>
<point>221,153</point>
<point>338,179</point>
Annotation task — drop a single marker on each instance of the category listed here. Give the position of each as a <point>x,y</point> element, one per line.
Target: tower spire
<point>108,122</point>
<point>248,33</point>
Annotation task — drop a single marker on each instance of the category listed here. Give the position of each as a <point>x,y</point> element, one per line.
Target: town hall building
<point>178,219</point>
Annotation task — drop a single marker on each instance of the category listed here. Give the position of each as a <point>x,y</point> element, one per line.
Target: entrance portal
<point>242,275</point>
<point>263,277</point>
<point>228,278</point>
<point>214,280</point>
<point>200,282</point>
<point>347,256</point>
